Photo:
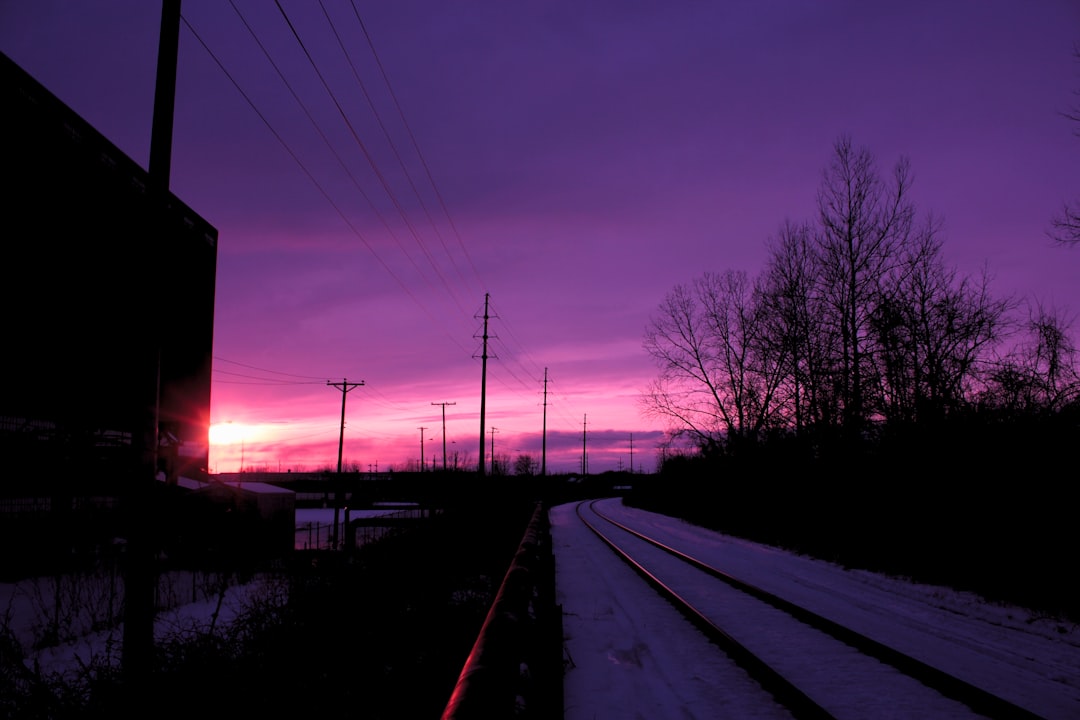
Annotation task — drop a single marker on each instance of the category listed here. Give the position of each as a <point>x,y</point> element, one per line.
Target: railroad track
<point>813,666</point>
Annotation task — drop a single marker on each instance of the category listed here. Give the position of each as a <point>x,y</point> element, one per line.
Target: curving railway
<point>802,664</point>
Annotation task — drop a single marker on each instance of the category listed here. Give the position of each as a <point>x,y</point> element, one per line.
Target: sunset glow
<point>228,433</point>
<point>571,164</point>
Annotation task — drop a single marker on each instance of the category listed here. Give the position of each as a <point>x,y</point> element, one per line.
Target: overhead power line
<point>308,173</point>
<point>521,369</point>
<point>367,155</point>
<point>416,146</point>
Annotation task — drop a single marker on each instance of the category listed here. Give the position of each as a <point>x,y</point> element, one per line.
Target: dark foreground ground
<point>385,633</point>
<point>382,635</point>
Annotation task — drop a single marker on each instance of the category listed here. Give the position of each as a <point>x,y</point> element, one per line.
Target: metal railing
<point>514,668</point>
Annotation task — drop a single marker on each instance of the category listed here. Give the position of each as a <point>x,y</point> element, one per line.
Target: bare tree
<point>792,324</point>
<point>1053,356</point>
<point>855,319</point>
<point>1065,227</point>
<point>1041,374</point>
<point>864,219</point>
<point>932,330</point>
<point>500,464</point>
<point>525,464</point>
<point>684,392</point>
<point>718,380</point>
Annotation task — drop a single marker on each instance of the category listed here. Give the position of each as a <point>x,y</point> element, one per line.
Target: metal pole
<point>483,386</point>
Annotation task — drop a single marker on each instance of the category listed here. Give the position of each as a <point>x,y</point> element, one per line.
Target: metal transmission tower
<point>344,386</point>
<point>543,446</point>
<point>483,386</point>
<point>444,404</point>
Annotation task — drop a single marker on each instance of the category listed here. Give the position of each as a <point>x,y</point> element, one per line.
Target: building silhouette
<point>107,296</point>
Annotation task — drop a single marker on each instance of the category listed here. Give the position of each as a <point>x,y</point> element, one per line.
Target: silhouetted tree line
<point>863,400</point>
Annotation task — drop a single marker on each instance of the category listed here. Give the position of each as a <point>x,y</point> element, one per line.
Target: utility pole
<point>165,97</point>
<point>493,431</point>
<point>444,404</point>
<point>483,386</point>
<point>543,451</point>
<point>422,448</point>
<point>344,386</point>
<point>631,453</point>
<point>584,454</point>
<point>140,573</point>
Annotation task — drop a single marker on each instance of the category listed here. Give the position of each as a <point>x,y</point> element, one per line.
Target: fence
<point>318,535</point>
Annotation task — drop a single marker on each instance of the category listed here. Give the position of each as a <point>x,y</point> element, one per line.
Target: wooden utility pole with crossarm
<point>344,386</point>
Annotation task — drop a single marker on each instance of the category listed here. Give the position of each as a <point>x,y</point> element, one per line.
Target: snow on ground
<point>84,620</point>
<point>629,654</point>
<point>80,612</point>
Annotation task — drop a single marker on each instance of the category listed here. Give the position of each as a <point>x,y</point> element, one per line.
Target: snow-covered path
<point>632,655</point>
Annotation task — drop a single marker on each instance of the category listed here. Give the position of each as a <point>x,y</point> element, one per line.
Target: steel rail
<point>782,689</point>
<point>978,699</point>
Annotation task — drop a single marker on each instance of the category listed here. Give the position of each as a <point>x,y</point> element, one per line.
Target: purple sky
<point>577,161</point>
